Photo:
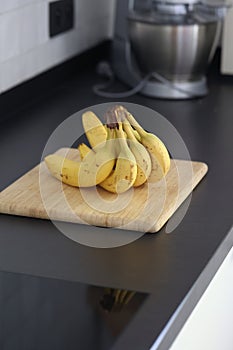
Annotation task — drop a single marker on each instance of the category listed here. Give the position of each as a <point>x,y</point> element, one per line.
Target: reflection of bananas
<point>124,174</point>
<point>115,299</point>
<point>141,155</point>
<point>159,155</point>
<point>95,131</point>
<point>89,172</point>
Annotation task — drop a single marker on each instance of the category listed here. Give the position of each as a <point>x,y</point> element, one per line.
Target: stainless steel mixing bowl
<point>179,52</point>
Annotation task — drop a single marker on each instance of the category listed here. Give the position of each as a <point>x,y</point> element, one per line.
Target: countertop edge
<point>184,310</point>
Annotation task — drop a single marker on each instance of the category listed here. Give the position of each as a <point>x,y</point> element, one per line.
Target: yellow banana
<point>89,172</point>
<point>63,169</point>
<point>153,144</point>
<point>159,155</point>
<point>136,134</point>
<point>124,174</point>
<point>141,155</point>
<point>84,150</point>
<point>94,129</point>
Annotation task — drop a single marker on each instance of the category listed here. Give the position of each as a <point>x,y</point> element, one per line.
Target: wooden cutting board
<point>147,208</point>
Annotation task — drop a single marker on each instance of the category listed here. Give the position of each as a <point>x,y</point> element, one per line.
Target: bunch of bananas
<point>115,299</point>
<point>122,155</point>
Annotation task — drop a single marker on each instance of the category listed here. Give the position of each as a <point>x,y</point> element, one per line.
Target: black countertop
<point>167,266</point>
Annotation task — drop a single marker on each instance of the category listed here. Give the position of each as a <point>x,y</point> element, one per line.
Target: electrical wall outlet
<point>61,16</point>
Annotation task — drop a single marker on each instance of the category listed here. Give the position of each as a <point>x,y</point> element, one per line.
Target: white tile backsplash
<point>59,49</point>
<point>9,5</point>
<point>88,11</point>
<point>1,84</point>
<point>23,29</point>
<point>9,36</point>
<point>92,37</point>
<point>25,47</point>
<point>18,69</point>
<point>42,20</point>
<point>33,31</point>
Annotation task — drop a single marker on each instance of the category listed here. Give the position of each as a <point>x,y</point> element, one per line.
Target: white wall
<point>227,45</point>
<point>25,47</point>
<point>209,326</point>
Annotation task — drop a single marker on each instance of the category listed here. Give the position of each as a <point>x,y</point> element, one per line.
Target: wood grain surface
<point>147,208</point>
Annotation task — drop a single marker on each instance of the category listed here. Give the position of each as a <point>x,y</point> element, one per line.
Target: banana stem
<point>111,133</point>
<point>118,113</point>
<point>123,115</point>
<point>111,118</point>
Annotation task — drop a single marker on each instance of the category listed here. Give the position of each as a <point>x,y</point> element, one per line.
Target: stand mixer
<point>166,45</point>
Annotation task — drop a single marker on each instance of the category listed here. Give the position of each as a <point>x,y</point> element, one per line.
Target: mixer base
<point>177,90</point>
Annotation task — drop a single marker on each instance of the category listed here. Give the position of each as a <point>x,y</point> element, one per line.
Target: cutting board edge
<point>160,223</point>
<point>5,208</point>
